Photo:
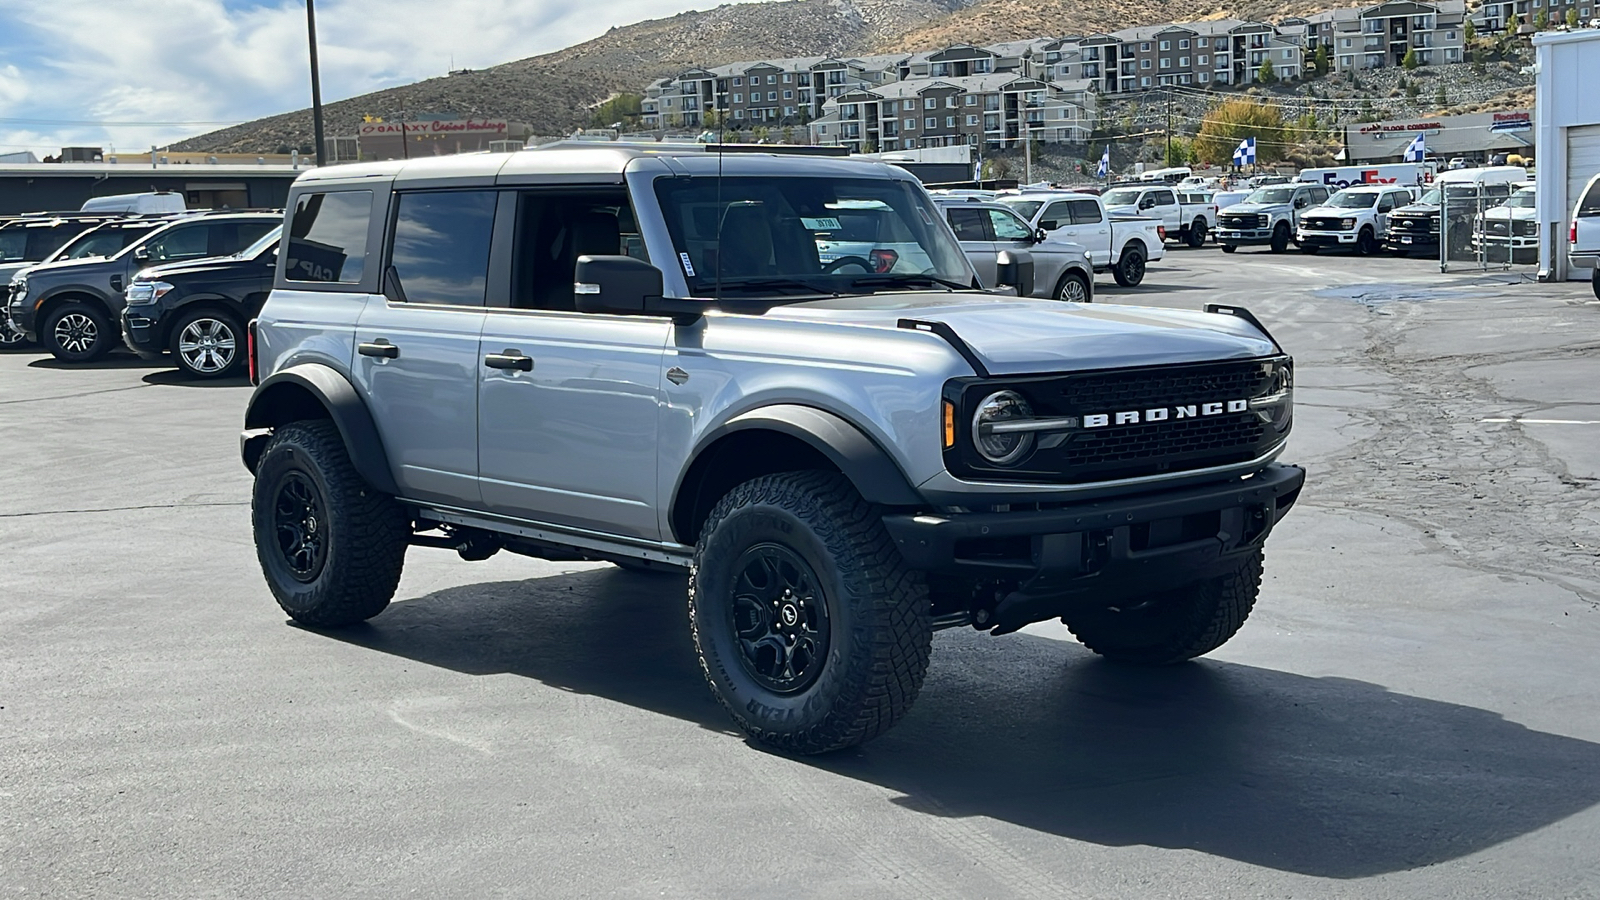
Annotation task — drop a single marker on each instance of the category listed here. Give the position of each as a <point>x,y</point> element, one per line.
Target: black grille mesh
<point>1115,391</point>
<point>1159,441</point>
<point>1322,223</point>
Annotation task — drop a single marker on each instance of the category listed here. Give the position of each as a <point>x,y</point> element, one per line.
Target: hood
<point>1416,209</point>
<point>1510,212</point>
<point>211,264</point>
<point>1254,208</point>
<point>1020,336</point>
<point>10,270</point>
<point>1129,209</point>
<point>69,267</point>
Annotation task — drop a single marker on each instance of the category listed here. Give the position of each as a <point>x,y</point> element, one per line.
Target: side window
<point>968,223</point>
<point>554,229</point>
<point>440,246</point>
<point>1590,204</point>
<point>1165,198</point>
<point>1085,212</point>
<point>328,237</point>
<point>183,242</point>
<point>1056,215</point>
<point>1007,227</point>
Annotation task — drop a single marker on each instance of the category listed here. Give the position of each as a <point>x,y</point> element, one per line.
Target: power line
<point>107,124</point>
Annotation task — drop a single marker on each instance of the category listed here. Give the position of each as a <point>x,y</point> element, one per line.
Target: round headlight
<point>1001,448</point>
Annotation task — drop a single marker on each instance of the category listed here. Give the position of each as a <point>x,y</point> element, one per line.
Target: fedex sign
<point>1344,176</point>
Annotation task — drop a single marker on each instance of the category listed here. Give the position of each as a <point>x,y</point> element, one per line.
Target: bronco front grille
<point>1115,451</point>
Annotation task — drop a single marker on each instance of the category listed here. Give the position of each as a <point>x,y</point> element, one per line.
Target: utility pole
<point>1027,150</point>
<point>316,83</point>
<point>1167,160</point>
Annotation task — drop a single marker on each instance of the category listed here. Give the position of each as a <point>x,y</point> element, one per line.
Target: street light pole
<point>316,83</point>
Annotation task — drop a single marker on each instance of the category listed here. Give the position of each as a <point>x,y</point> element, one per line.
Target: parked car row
<point>183,284</point>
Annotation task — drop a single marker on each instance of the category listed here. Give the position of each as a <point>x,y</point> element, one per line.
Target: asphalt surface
<point>1410,712</point>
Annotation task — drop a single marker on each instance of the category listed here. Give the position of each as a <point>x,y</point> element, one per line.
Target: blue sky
<point>127,74</point>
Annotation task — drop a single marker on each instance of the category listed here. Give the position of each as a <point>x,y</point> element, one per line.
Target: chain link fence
<point>1476,232</point>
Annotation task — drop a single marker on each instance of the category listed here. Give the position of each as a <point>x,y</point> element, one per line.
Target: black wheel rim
<point>1135,268</point>
<point>780,618</point>
<point>300,526</point>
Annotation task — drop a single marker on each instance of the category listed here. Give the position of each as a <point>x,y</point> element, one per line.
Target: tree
<point>1512,24</point>
<point>1572,17</point>
<point>1470,32</point>
<point>1265,74</point>
<point>1412,91</point>
<point>624,108</point>
<point>1410,61</point>
<point>1320,61</point>
<point>1369,113</point>
<point>1441,99</point>
<point>1541,22</point>
<point>1227,123</point>
<point>1180,152</point>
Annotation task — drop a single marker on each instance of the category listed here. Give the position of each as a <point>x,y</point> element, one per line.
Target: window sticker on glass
<point>688,267</point>
<point>821,224</point>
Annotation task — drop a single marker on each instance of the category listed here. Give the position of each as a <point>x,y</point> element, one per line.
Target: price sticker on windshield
<point>821,224</point>
<point>688,267</point>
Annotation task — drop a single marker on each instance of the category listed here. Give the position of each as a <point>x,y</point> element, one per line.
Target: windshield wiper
<point>906,279</point>
<point>775,283</point>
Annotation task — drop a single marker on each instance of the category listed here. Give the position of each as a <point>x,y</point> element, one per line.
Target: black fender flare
<point>857,456</point>
<point>282,399</point>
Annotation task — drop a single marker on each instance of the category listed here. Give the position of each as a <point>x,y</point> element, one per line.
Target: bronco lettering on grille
<point>1163,413</point>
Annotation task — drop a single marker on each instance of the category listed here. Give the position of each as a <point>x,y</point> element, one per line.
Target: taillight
<point>1161,232</point>
<point>250,352</point>
<point>1572,233</point>
<point>883,260</point>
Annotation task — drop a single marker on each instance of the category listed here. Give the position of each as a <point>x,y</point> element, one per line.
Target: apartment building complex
<point>1047,86</point>
<point>1493,15</point>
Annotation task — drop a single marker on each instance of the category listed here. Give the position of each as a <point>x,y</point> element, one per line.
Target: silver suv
<point>641,355</point>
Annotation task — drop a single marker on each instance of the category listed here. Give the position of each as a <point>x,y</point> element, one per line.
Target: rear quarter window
<point>1589,206</point>
<point>328,237</point>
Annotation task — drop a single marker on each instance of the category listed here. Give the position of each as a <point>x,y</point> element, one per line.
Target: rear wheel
<point>1280,238</point>
<point>77,332</point>
<point>1172,626</point>
<point>207,344</point>
<point>1129,270</point>
<point>1197,233</point>
<point>1072,288</point>
<point>330,546</point>
<point>810,630</point>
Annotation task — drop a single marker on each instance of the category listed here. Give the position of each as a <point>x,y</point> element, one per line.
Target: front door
<point>417,344</point>
<point>568,402</point>
<point>971,225</point>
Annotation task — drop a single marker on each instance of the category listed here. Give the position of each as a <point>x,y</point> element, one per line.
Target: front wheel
<point>1197,233</point>
<point>1312,249</point>
<point>809,628</point>
<point>1280,238</point>
<point>1400,252</point>
<point>1595,282</point>
<point>1366,242</point>
<point>1228,248</point>
<point>206,344</point>
<point>1172,626</point>
<point>1073,288</point>
<point>10,337</point>
<point>77,332</point>
<point>330,546</point>
<point>1129,270</point>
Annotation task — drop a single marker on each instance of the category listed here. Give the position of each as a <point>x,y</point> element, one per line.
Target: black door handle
<point>509,360</point>
<point>380,348</point>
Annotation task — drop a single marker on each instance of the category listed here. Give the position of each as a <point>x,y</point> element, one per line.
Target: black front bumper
<point>1100,550</point>
<point>141,333</point>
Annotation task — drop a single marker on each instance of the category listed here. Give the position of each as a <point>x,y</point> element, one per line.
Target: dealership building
<point>427,137</point>
<point>1477,137</point>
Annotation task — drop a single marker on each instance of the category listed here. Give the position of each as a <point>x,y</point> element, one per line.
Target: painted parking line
<point>1542,421</point>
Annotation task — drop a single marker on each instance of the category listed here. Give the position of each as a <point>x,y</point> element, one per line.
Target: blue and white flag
<point>1105,164</point>
<point>1245,153</point>
<point>1417,149</point>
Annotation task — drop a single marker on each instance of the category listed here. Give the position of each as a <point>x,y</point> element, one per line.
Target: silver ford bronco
<point>640,355</point>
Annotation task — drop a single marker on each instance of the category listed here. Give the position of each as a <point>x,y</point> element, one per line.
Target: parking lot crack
<point>112,509</point>
<point>55,397</point>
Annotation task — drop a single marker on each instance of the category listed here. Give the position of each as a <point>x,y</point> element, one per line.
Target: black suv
<point>26,241</point>
<point>71,307</point>
<point>197,310</point>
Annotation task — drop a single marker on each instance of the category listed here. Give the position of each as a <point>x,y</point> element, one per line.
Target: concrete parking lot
<point>1412,711</point>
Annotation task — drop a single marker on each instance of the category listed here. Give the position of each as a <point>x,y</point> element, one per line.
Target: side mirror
<point>1040,234</point>
<point>615,285</point>
<point>1300,203</point>
<point>141,253</point>
<point>1014,268</point>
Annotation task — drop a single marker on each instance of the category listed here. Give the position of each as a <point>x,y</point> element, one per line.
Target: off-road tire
<point>1065,288</point>
<point>1281,238</point>
<point>1129,270</point>
<point>1172,626</point>
<point>1366,242</point>
<point>1228,248</point>
<point>366,532</point>
<point>878,635</point>
<point>77,332</point>
<point>226,327</point>
<point>1197,233</point>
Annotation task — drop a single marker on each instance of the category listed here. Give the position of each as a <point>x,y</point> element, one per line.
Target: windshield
<point>13,244</point>
<point>1271,195</point>
<point>1024,208</point>
<point>754,236</point>
<point>270,239</point>
<point>1521,200</point>
<point>1123,196</point>
<point>103,241</point>
<point>1353,199</point>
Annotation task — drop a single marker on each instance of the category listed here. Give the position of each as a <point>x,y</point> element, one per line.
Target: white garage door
<point>1583,161</point>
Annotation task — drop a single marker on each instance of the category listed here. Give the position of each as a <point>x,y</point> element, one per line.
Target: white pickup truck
<point>1118,244</point>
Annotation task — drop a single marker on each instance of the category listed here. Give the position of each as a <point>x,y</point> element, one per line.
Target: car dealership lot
<point>1411,711</point>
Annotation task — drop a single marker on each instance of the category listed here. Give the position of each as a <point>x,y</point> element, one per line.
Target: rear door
<point>972,228</point>
<point>417,342</point>
<point>568,402</point>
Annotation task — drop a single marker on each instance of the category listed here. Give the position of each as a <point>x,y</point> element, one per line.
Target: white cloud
<point>198,61</point>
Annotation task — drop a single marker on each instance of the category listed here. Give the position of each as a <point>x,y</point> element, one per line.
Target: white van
<point>148,202</point>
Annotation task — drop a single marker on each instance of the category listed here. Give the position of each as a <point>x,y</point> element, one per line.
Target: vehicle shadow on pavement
<point>1326,776</point>
<point>175,378</point>
<point>115,361</point>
